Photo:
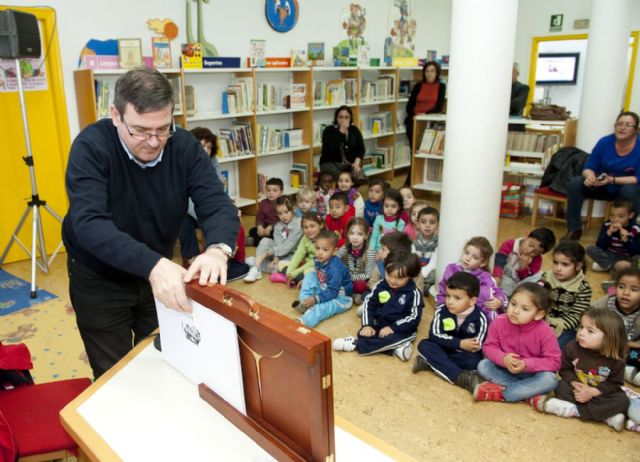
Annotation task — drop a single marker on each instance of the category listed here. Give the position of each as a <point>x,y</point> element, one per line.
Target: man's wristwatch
<point>223,247</point>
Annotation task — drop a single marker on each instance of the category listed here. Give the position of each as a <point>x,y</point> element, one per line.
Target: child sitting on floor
<point>475,260</point>
<point>326,291</point>
<point>412,224</point>
<point>391,313</point>
<point>425,245</point>
<point>521,351</point>
<point>358,257</point>
<point>346,185</point>
<point>286,236</point>
<point>373,205</point>
<point>326,188</point>
<point>390,220</point>
<point>408,199</point>
<point>339,215</point>
<point>302,261</point>
<point>267,215</point>
<point>570,291</point>
<point>625,302</point>
<point>520,260</point>
<point>306,202</point>
<point>454,347</point>
<point>592,372</point>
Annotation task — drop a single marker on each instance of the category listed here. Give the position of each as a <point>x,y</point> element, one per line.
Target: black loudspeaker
<point>19,35</point>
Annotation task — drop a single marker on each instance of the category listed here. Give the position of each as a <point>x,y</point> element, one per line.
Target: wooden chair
<point>32,413</point>
<point>557,198</point>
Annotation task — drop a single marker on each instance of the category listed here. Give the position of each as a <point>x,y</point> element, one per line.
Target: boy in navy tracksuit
<point>391,312</point>
<point>327,290</point>
<point>454,347</point>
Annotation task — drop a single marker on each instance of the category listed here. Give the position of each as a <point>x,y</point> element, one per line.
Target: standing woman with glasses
<point>128,180</point>
<point>343,146</point>
<point>612,171</point>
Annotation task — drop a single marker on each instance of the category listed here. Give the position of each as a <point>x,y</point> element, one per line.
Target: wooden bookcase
<point>243,170</point>
<point>530,165</point>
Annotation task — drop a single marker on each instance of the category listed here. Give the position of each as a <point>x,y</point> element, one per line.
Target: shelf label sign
<point>556,22</point>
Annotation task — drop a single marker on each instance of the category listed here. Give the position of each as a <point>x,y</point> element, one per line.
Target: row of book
<point>334,92</point>
<point>238,96</point>
<point>236,140</point>
<point>102,98</point>
<point>433,170</point>
<point>318,129</point>
<point>432,142</point>
<point>271,97</point>
<point>272,139</point>
<point>379,122</point>
<point>381,89</point>
<point>533,142</point>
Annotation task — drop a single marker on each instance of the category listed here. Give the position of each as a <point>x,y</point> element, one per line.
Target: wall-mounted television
<point>557,68</point>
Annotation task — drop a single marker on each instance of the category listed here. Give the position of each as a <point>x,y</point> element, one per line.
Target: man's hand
<point>166,279</point>
<point>210,266</point>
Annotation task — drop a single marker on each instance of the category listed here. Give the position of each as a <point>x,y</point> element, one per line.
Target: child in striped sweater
<point>358,257</point>
<point>570,291</point>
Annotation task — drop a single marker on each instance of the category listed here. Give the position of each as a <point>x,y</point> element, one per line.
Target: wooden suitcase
<point>286,370</point>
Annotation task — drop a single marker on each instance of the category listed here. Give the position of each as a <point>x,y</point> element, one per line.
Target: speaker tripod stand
<point>34,206</point>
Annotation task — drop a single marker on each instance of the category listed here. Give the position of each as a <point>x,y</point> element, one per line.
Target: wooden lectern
<point>286,370</point>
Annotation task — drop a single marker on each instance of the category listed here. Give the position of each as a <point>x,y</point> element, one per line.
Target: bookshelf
<point>526,156</point>
<point>233,99</point>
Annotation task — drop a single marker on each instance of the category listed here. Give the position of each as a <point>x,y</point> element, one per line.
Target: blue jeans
<point>578,192</point>
<point>320,311</point>
<point>521,386</point>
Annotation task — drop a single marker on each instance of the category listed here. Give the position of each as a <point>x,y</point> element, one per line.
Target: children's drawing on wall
<point>208,49</point>
<point>353,21</point>
<point>167,30</point>
<point>33,75</point>
<point>403,29</point>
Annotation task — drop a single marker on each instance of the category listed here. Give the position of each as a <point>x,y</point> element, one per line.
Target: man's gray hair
<point>146,89</point>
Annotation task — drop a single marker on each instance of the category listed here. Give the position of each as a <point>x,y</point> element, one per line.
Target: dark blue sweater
<point>400,309</point>
<point>446,332</point>
<point>122,219</point>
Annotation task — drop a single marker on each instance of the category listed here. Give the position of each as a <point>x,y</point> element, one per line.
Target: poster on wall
<point>34,77</point>
<point>403,28</point>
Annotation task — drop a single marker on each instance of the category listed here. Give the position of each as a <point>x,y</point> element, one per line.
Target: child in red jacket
<point>339,215</point>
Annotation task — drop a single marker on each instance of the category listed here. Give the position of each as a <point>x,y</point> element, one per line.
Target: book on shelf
<point>363,55</point>
<point>292,137</point>
<point>176,87</point>
<point>238,96</point>
<point>433,170</point>
<point>236,140</point>
<point>318,129</point>
<point>380,157</point>
<point>190,100</point>
<point>271,97</point>
<point>298,95</point>
<point>377,123</point>
<point>257,53</point>
<point>191,57</point>
<point>303,173</point>
<point>315,53</point>
<point>161,48</point>
<point>381,89</point>
<point>334,92</point>
<point>298,58</point>
<point>432,141</point>
<point>532,142</point>
<point>404,88</point>
<point>102,98</point>
<point>224,174</point>
<point>402,154</point>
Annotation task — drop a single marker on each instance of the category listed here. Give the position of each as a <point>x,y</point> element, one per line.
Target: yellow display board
<point>49,130</point>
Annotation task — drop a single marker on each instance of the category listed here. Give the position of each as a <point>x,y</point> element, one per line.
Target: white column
<point>606,70</point>
<point>482,49</point>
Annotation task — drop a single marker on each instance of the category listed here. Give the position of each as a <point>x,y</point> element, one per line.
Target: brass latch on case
<point>329,458</point>
<point>326,381</point>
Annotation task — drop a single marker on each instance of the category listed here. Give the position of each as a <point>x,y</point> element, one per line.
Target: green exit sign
<point>556,22</point>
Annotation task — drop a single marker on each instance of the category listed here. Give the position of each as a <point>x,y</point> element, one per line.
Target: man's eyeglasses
<point>162,134</point>
<point>625,125</point>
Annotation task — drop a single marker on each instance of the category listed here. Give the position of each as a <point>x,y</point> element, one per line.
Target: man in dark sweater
<point>128,180</point>
<point>519,93</point>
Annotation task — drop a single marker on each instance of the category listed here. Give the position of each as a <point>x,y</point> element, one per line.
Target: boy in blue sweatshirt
<point>327,290</point>
<point>454,347</point>
<point>391,312</point>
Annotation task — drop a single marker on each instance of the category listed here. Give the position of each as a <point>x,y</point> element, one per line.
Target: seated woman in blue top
<point>612,171</point>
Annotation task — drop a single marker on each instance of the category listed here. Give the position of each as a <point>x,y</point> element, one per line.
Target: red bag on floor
<point>512,201</point>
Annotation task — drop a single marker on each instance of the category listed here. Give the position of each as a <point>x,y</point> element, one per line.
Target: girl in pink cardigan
<point>521,352</point>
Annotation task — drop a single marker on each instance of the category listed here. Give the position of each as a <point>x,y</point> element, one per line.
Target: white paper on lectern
<point>204,347</point>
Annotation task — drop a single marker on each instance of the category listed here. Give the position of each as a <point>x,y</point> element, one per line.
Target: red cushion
<point>546,190</point>
<point>33,414</point>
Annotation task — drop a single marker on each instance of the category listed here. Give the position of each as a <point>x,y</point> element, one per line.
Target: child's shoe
<point>560,408</point>
<point>278,277</point>
<point>403,352</point>
<point>250,260</point>
<point>357,299</point>
<point>597,268</point>
<point>344,344</point>
<point>632,426</point>
<point>420,364</point>
<point>253,275</point>
<point>297,305</point>
<point>616,422</point>
<point>537,402</point>
<point>629,373</point>
<point>249,241</point>
<point>636,379</point>
<point>469,380</point>
<point>488,391</point>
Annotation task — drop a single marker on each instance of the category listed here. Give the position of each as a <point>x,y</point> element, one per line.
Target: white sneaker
<point>629,373</point>
<point>359,310</point>
<point>403,352</point>
<point>597,268</point>
<point>344,344</point>
<point>560,408</point>
<point>616,422</point>
<point>253,275</point>
<point>251,260</point>
<point>636,379</point>
<point>632,426</point>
